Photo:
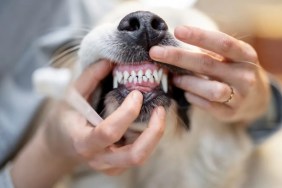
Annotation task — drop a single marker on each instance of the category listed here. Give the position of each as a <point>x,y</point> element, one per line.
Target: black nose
<point>143,28</point>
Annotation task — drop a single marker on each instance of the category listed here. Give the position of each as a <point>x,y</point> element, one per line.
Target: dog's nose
<point>143,28</point>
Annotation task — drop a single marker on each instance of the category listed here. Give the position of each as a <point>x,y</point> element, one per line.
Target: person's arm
<point>66,139</point>
<point>37,166</point>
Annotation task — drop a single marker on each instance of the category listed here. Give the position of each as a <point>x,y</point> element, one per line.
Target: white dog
<point>209,154</point>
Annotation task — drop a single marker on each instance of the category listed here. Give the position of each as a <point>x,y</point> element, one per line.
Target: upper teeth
<point>141,76</point>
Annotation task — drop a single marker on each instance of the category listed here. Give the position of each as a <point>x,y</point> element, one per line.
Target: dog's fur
<point>210,154</point>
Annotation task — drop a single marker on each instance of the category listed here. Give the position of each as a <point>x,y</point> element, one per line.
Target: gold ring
<point>231,95</point>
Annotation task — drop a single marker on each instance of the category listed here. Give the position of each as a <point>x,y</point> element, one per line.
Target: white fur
<point>211,155</point>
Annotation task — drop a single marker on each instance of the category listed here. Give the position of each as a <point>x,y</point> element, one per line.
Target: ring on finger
<point>230,96</point>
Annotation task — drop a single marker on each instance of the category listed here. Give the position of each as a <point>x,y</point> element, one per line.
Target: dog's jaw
<point>126,45</point>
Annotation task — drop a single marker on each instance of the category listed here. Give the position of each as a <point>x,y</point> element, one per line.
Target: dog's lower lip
<point>147,97</point>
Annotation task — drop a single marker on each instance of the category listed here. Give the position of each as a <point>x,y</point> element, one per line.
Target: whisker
<point>57,59</point>
<point>240,37</point>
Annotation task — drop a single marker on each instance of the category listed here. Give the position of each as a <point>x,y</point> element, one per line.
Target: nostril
<point>132,24</point>
<point>142,28</point>
<point>158,24</point>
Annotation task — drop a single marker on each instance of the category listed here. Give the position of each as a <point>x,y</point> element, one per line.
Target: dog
<point>197,152</point>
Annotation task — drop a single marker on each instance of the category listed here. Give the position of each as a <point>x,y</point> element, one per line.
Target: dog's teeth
<point>140,74</point>
<point>130,79</point>
<point>115,84</point>
<point>125,75</point>
<point>160,73</point>
<point>164,83</point>
<point>148,73</point>
<point>140,79</point>
<point>135,80</point>
<point>156,76</point>
<point>133,74</point>
<point>151,79</point>
<point>119,76</point>
<point>145,79</point>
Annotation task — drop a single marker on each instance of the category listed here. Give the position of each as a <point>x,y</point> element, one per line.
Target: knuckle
<point>250,79</point>
<point>206,64</point>
<point>109,135</point>
<point>177,56</point>
<point>82,152</point>
<point>226,44</point>
<point>220,92</point>
<point>138,159</point>
<point>197,35</point>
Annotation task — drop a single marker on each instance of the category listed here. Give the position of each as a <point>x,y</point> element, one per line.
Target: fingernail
<point>136,95</point>
<point>157,52</point>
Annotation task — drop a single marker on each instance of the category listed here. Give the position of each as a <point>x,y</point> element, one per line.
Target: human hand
<point>70,135</point>
<point>228,81</point>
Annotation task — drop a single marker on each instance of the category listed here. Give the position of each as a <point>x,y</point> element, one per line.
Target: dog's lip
<point>147,97</point>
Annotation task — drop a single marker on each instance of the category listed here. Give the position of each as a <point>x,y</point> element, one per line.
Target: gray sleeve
<point>25,45</point>
<point>270,122</point>
<point>5,177</point>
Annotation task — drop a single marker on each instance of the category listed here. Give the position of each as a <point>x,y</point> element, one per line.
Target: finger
<point>193,61</point>
<point>148,140</point>
<point>106,168</point>
<point>91,77</point>
<point>219,110</point>
<point>135,154</point>
<point>240,74</point>
<point>208,89</point>
<point>114,126</point>
<point>217,42</point>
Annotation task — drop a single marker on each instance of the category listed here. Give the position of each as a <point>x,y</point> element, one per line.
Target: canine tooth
<point>130,79</point>
<point>164,83</point>
<point>133,74</point>
<point>148,73</point>
<point>156,76</point>
<point>125,75</point>
<point>140,73</point>
<point>160,73</point>
<point>119,76</point>
<point>145,79</point>
<point>115,84</point>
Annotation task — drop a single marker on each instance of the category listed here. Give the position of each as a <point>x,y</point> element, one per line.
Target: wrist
<point>37,160</point>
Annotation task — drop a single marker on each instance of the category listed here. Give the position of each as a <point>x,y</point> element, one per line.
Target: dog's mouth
<point>127,47</point>
<point>149,78</point>
<point>145,77</point>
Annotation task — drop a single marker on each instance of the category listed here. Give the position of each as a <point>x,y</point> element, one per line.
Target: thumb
<point>91,77</point>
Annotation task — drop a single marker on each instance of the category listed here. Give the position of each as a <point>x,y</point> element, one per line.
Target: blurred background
<point>258,22</point>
